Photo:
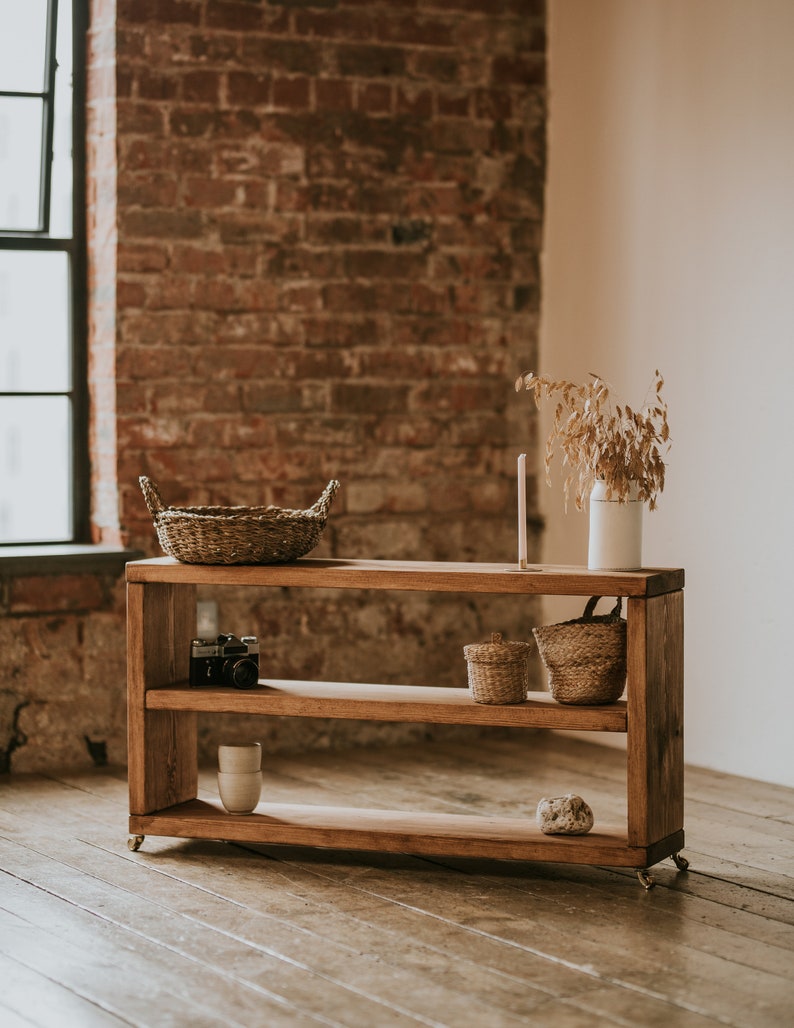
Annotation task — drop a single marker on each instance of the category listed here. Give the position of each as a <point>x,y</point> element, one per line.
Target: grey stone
<point>564,815</point>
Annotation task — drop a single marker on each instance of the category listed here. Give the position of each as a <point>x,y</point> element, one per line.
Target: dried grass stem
<point>603,441</point>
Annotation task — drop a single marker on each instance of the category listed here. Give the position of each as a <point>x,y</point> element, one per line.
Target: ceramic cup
<point>240,759</point>
<point>240,791</point>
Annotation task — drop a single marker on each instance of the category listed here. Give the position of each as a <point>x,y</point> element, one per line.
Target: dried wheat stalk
<point>599,441</point>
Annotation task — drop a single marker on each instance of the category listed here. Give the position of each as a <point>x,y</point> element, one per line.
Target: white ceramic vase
<point>615,533</point>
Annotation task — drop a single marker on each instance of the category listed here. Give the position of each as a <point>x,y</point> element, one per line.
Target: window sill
<point>61,559</point>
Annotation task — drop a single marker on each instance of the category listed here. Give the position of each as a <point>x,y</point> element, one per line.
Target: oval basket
<point>237,535</point>
<point>498,670</point>
<point>585,658</point>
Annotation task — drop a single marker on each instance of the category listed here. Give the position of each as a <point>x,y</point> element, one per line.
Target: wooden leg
<point>655,718</point>
<point>162,744</point>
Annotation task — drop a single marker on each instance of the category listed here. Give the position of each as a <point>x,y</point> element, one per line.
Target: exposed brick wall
<point>328,220</point>
<point>314,245</point>
<point>62,694</point>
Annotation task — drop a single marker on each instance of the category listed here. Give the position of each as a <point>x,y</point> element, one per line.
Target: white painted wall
<point>670,244</point>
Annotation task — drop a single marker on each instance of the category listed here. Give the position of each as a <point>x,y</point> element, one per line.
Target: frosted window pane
<point>35,444</point>
<point>34,321</point>
<point>23,30</point>
<point>20,162</point>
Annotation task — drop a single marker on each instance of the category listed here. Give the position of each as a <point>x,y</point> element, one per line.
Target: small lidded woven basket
<point>498,670</point>
<point>585,658</point>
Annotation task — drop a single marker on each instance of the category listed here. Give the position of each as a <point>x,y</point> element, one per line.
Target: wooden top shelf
<point>388,703</point>
<point>420,576</point>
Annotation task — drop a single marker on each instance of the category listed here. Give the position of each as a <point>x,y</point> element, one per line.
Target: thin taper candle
<point>522,511</point>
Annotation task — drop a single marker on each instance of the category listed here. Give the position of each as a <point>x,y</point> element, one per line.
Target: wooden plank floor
<point>208,933</point>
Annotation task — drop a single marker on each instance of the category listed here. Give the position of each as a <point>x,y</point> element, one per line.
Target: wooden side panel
<point>655,718</point>
<point>162,745</point>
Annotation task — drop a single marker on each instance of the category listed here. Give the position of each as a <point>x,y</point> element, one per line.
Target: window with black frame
<point>43,464</point>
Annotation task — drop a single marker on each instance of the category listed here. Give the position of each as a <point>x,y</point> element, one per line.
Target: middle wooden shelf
<point>407,703</point>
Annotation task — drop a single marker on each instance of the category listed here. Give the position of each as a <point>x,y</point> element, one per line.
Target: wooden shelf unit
<point>163,709</point>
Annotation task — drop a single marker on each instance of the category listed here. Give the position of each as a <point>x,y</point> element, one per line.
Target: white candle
<point>522,511</point>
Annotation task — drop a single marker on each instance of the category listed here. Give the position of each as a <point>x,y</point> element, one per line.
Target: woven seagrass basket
<point>585,658</point>
<point>498,670</point>
<point>237,535</point>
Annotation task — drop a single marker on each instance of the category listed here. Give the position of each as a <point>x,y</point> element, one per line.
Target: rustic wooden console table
<point>162,717</point>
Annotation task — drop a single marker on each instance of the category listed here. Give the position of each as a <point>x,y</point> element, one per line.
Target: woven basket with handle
<point>498,670</point>
<point>237,535</point>
<point>585,658</point>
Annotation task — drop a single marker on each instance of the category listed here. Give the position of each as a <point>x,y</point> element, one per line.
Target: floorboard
<point>209,933</point>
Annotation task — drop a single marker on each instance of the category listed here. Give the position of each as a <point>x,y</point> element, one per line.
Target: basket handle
<point>590,606</point>
<point>152,496</point>
<point>322,504</point>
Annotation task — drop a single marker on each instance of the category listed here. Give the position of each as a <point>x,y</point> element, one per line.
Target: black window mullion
<point>78,271</point>
<point>48,116</point>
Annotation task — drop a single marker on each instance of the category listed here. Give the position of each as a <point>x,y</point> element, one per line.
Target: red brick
<point>161,12</point>
<point>148,191</point>
<point>169,292</point>
<point>153,86</point>
<point>333,94</point>
<point>293,93</point>
<point>197,260</point>
<point>454,105</point>
<point>201,87</point>
<point>374,98</point>
<point>142,258</point>
<point>46,593</point>
<point>146,363</point>
<point>208,192</point>
<point>397,27</point>
<point>494,104</point>
<point>371,61</point>
<point>140,118</point>
<point>437,66</point>
<point>525,69</point>
<point>166,224</point>
<point>335,24</point>
<point>238,17</point>
<point>368,399</point>
<point>341,332</point>
<point>130,294</point>
<point>248,88</point>
<point>291,56</point>
<point>416,102</point>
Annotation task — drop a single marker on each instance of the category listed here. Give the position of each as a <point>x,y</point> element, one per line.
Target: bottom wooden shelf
<point>398,831</point>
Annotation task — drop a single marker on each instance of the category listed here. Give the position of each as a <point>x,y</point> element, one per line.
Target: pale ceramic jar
<point>240,791</point>
<point>238,759</point>
<point>615,542</point>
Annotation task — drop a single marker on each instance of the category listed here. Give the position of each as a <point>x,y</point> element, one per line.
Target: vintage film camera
<point>225,661</point>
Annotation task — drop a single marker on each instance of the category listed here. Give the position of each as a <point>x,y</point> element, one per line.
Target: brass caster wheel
<point>680,862</point>
<point>646,880</point>
<point>135,842</point>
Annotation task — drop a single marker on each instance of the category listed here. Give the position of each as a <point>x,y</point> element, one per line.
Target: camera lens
<point>242,674</point>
